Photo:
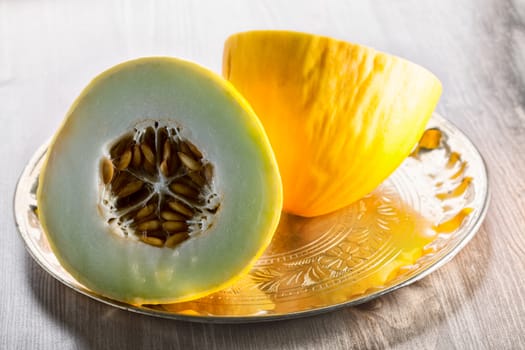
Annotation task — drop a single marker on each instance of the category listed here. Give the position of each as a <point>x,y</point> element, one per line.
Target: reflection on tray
<point>338,257</point>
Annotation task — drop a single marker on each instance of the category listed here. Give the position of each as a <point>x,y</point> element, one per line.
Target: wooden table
<point>50,49</point>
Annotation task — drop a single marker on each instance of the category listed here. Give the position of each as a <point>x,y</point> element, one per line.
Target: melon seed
<point>125,159</point>
<point>147,210</point>
<point>137,157</point>
<point>197,178</point>
<point>149,225</point>
<point>194,150</point>
<point>176,238</point>
<point>174,226</point>
<point>107,170</point>
<point>181,208</point>
<point>164,168</point>
<point>171,216</point>
<point>166,152</point>
<point>148,153</point>
<point>208,172</point>
<point>154,241</point>
<point>189,162</point>
<point>184,190</point>
<point>130,188</point>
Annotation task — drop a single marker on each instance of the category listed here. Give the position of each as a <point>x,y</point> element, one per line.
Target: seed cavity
<point>158,187</point>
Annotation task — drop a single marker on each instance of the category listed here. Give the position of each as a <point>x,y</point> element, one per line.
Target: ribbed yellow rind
<point>340,117</point>
<point>212,114</point>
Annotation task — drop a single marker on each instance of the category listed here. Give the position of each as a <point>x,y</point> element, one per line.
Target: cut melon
<point>161,185</point>
<point>340,116</point>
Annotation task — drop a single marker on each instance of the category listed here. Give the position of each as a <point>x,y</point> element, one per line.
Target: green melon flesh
<point>214,116</point>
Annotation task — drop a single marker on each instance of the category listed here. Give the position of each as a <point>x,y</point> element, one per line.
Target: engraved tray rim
<point>28,175</point>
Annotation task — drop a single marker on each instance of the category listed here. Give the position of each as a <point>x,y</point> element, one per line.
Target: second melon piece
<point>340,117</point>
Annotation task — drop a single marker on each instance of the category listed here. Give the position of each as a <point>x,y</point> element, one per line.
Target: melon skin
<point>341,117</point>
<point>213,115</point>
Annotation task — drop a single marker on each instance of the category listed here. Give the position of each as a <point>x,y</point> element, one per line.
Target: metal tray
<point>412,224</point>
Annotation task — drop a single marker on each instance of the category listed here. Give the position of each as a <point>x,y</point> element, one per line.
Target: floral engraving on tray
<point>350,249</point>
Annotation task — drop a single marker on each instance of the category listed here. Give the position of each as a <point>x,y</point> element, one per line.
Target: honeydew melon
<point>110,207</point>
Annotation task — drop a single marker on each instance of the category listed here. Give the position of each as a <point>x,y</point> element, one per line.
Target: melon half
<point>341,117</point>
<point>160,186</point>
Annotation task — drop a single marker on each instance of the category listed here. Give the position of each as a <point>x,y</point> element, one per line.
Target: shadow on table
<point>393,319</point>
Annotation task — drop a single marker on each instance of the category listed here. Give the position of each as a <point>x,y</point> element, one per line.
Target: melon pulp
<point>340,117</point>
<point>163,96</point>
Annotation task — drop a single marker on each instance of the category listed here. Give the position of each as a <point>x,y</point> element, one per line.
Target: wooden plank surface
<point>50,49</point>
